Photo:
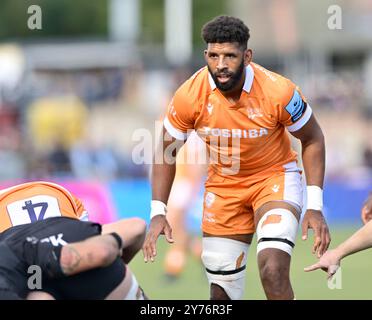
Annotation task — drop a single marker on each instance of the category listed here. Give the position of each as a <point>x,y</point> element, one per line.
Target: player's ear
<point>206,54</point>
<point>248,54</point>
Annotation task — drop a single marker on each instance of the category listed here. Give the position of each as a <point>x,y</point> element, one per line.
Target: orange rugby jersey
<point>29,202</point>
<point>250,135</point>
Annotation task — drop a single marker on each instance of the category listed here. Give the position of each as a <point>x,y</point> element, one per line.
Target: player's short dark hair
<point>226,29</point>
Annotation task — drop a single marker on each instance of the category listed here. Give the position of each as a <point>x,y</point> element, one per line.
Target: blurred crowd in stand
<point>80,123</point>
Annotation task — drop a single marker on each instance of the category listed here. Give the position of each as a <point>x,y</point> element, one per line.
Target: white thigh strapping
<point>225,260</point>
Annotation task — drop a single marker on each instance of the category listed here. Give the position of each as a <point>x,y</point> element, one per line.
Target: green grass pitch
<point>356,275</point>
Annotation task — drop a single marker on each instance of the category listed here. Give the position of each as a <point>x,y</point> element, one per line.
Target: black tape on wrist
<point>118,239</point>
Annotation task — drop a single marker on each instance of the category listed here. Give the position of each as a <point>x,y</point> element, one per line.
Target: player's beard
<point>235,77</point>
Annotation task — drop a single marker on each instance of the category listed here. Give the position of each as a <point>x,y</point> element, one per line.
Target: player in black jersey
<point>76,260</point>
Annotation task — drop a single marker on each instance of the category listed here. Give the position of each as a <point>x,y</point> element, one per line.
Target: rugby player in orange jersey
<point>243,112</point>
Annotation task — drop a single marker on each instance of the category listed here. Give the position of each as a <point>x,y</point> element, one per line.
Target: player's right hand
<point>158,225</point>
<point>314,219</point>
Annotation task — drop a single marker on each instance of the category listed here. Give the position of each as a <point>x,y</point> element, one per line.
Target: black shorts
<point>94,284</point>
<point>24,242</point>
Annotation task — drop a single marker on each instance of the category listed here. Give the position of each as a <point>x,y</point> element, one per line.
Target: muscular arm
<point>95,252</point>
<point>163,173</point>
<point>132,231</point>
<point>73,258</point>
<point>313,157</point>
<point>313,151</point>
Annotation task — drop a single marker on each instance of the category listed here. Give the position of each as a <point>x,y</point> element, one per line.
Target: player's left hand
<point>314,219</point>
<point>329,262</point>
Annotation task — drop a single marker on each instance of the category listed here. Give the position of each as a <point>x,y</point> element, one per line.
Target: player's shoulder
<point>279,88</point>
<point>195,87</point>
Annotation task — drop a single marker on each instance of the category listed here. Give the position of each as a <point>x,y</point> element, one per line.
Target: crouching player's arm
<point>95,252</point>
<point>98,252</point>
<point>73,258</point>
<point>132,231</point>
<point>330,261</point>
<point>101,251</point>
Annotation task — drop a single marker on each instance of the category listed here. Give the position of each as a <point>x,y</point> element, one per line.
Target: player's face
<point>226,64</point>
